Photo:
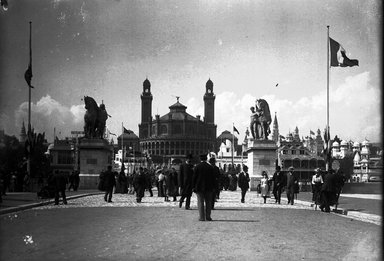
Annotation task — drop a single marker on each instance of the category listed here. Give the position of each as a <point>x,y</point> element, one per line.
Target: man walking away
<point>140,184</point>
<point>60,182</point>
<point>244,182</point>
<point>216,171</point>
<point>109,183</point>
<point>186,175</point>
<point>203,186</point>
<point>148,179</point>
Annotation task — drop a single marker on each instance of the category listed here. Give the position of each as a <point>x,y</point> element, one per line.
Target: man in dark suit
<point>140,183</point>
<point>216,171</point>
<point>203,185</point>
<point>185,182</point>
<point>292,181</point>
<point>330,190</point>
<point>244,182</point>
<point>278,184</point>
<point>109,183</point>
<point>60,182</point>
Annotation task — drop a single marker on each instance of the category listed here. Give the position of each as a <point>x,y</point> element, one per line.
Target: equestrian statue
<point>94,119</point>
<point>260,120</point>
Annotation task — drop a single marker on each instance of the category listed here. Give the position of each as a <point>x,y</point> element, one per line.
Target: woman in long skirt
<point>317,182</point>
<point>264,186</point>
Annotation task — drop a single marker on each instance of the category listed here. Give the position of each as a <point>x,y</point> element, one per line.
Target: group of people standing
<point>326,188</point>
<point>111,181</point>
<point>205,180</point>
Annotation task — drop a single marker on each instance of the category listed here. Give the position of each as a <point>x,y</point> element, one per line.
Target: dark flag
<point>327,146</point>
<point>311,132</point>
<point>28,76</point>
<point>338,56</point>
<point>235,130</point>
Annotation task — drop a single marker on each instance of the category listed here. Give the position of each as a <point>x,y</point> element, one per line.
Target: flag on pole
<point>235,130</point>
<point>327,146</point>
<point>28,76</point>
<point>338,56</point>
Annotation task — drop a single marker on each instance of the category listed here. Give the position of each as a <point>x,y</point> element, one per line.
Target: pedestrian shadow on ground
<point>234,220</point>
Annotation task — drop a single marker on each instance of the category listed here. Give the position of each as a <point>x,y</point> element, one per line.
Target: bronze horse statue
<point>260,120</point>
<point>94,118</point>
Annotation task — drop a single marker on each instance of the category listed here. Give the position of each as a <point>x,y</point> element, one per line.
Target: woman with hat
<point>264,186</point>
<point>317,182</point>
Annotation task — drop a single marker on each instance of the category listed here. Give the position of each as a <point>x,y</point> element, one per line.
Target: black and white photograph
<point>191,130</point>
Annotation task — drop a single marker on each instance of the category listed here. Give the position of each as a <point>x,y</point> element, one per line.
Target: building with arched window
<point>177,133</point>
<point>292,151</point>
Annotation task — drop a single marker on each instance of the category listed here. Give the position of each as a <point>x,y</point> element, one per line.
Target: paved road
<point>90,229</point>
<point>363,207</point>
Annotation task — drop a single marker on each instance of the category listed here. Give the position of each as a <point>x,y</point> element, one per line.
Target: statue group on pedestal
<point>94,118</point>
<point>260,120</point>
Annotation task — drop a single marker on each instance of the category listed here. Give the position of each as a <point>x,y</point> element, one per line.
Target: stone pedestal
<point>262,155</point>
<point>95,155</point>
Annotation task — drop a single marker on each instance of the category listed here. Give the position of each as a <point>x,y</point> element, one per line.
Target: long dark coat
<point>216,172</point>
<point>291,182</point>
<point>244,180</point>
<point>109,180</point>
<point>140,184</point>
<point>203,178</point>
<point>60,181</point>
<point>171,181</point>
<point>186,175</point>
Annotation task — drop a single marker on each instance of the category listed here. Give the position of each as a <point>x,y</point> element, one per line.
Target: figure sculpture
<point>260,120</point>
<point>94,119</point>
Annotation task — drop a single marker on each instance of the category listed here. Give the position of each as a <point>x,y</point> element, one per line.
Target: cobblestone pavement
<point>228,200</point>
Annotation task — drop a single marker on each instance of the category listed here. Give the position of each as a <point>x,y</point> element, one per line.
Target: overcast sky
<point>106,49</point>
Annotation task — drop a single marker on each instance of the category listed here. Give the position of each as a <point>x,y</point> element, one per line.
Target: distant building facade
<point>303,155</point>
<point>177,133</point>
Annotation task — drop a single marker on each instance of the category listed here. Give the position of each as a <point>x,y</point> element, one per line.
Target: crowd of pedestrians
<point>206,180</point>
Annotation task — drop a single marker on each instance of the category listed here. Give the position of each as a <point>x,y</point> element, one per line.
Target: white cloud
<point>354,111</point>
<point>47,114</point>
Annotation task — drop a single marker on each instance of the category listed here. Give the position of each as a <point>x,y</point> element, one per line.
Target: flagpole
<point>29,100</point>
<point>122,145</point>
<point>29,87</point>
<point>233,141</point>
<point>328,134</point>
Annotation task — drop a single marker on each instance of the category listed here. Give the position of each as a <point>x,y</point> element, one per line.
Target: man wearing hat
<point>185,182</point>
<point>278,184</point>
<point>203,185</point>
<point>292,181</point>
<point>244,182</point>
